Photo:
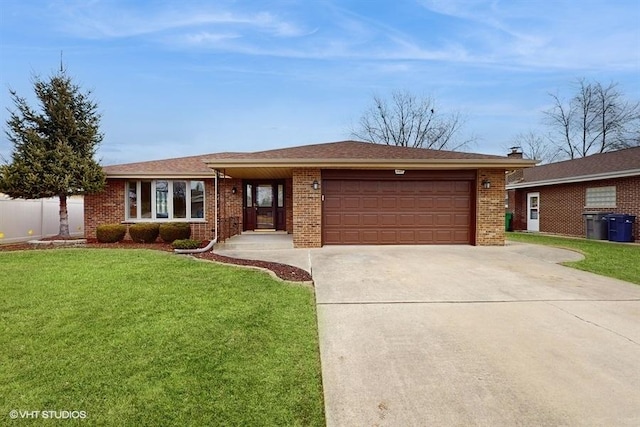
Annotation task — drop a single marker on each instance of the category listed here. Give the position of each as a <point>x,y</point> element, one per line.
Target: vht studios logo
<point>60,415</point>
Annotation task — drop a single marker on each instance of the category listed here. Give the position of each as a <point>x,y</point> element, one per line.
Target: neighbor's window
<point>601,197</point>
<point>165,199</point>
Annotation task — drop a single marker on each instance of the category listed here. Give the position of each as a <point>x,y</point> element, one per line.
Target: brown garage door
<point>390,210</point>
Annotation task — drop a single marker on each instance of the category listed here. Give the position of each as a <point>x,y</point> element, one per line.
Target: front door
<point>533,212</point>
<point>264,205</point>
<point>263,200</point>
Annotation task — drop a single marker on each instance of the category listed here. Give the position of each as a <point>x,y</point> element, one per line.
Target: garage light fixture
<point>234,190</point>
<point>486,183</point>
<point>315,184</point>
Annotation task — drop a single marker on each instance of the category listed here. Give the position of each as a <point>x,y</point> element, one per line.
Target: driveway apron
<point>461,335</point>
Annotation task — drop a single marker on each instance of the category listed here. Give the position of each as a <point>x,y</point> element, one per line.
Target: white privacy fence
<point>22,220</point>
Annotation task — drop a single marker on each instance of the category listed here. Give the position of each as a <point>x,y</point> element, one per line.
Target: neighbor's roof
<point>616,164</point>
<point>279,163</point>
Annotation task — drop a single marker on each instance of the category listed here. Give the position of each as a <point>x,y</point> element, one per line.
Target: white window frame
<point>602,196</point>
<point>154,212</point>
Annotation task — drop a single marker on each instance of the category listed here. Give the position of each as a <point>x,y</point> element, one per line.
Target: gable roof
<point>345,154</point>
<point>615,164</point>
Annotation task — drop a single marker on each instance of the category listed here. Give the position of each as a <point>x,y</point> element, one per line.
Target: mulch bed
<point>283,271</point>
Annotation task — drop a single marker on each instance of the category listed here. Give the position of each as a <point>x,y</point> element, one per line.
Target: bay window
<point>165,199</point>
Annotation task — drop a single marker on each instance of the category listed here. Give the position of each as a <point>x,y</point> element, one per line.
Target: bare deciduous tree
<point>535,147</point>
<point>618,119</point>
<point>596,120</point>
<point>409,121</point>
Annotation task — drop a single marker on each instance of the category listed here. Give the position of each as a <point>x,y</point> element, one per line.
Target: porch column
<point>307,208</point>
<point>490,208</point>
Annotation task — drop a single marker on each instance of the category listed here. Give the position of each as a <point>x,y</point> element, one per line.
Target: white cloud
<point>105,21</point>
<point>206,37</point>
<point>556,34</point>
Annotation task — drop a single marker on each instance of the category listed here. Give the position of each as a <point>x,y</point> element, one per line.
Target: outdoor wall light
<point>234,190</point>
<point>315,184</point>
<point>486,183</point>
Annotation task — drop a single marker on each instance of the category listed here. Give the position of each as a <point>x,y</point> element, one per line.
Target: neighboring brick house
<point>335,193</point>
<point>552,198</point>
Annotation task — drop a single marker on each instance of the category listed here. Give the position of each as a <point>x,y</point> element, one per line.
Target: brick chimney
<point>515,153</point>
<point>517,175</point>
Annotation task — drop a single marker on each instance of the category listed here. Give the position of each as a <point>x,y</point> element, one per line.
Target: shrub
<point>110,233</point>
<point>170,231</point>
<point>144,232</point>
<point>186,244</point>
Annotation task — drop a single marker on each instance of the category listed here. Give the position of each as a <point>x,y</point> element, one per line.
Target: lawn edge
<point>306,283</point>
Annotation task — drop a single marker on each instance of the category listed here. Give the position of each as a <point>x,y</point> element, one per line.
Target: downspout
<point>213,241</point>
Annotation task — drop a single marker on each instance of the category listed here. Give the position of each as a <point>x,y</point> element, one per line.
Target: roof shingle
<point>334,150</point>
<point>616,161</point>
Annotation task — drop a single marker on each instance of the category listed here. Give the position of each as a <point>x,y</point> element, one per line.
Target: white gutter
<point>158,175</point>
<point>213,241</point>
<point>573,179</point>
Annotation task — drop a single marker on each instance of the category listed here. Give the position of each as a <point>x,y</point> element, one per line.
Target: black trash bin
<point>596,225</point>
<point>621,227</point>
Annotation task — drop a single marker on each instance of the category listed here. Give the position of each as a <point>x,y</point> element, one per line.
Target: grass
<point>137,337</point>
<point>617,260</point>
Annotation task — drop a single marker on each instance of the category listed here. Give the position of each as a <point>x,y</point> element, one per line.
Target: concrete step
<point>248,241</point>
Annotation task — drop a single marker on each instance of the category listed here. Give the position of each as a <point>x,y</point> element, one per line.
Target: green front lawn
<point>138,337</point>
<point>617,260</point>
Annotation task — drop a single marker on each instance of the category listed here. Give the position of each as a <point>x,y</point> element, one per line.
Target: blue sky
<point>178,78</point>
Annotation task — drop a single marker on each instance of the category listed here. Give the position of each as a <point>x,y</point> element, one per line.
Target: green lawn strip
<point>617,260</point>
<point>136,337</point>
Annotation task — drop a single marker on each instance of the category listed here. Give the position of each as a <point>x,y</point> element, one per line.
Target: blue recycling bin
<point>621,227</point>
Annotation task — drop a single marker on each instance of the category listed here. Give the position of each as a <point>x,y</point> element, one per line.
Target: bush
<point>186,244</point>
<point>110,233</point>
<point>144,232</point>
<point>170,231</point>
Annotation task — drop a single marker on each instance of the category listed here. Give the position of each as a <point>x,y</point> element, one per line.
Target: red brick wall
<point>561,206</point>
<point>518,207</point>
<point>307,209</point>
<point>108,207</point>
<point>490,208</point>
<point>230,208</point>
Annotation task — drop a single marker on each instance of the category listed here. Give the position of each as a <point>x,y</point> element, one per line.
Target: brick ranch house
<point>336,193</point>
<point>552,198</point>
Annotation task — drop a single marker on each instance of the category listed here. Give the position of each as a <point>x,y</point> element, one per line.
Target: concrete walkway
<point>461,335</point>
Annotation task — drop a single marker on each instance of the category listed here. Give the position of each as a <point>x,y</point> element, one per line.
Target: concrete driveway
<point>462,336</point>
